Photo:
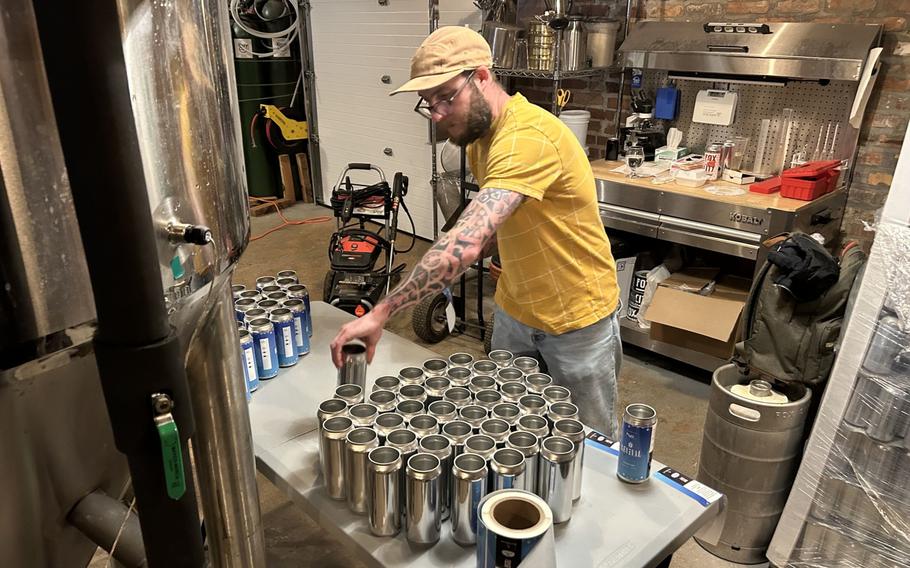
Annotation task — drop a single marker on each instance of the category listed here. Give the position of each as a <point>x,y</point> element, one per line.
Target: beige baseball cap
<point>443,55</point>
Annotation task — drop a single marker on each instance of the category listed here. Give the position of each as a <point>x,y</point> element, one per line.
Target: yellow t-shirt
<point>558,273</point>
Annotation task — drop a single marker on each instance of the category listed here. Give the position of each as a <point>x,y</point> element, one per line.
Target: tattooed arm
<point>446,260</point>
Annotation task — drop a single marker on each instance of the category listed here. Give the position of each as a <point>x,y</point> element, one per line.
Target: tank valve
<point>180,233</point>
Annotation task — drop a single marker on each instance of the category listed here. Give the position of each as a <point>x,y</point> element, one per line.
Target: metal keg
<point>750,452</point>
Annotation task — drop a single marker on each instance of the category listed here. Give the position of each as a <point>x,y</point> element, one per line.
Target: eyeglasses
<point>443,107</point>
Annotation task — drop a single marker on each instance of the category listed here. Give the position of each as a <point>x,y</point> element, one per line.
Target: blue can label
<point>250,373</point>
<point>300,333</point>
<point>635,448</point>
<point>287,345</point>
<point>309,316</point>
<point>266,354</point>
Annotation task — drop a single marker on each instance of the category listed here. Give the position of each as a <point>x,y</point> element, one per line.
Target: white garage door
<point>356,43</point>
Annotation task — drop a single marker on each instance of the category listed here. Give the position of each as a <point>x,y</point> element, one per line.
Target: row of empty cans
<point>829,546</point>
<point>881,407</point>
<point>889,349</point>
<point>865,511</point>
<point>883,467</point>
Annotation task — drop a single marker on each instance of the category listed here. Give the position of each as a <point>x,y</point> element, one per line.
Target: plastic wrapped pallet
<point>850,504</point>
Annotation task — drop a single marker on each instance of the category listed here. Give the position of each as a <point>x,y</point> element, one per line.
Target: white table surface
<point>613,524</point>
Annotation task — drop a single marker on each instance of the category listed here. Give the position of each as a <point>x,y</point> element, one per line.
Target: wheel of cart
<point>429,318</point>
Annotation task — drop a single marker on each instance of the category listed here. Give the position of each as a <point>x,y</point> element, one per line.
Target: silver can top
<point>281,315</point>
<point>261,325</point>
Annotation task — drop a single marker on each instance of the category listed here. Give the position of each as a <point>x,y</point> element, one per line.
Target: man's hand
<point>367,329</point>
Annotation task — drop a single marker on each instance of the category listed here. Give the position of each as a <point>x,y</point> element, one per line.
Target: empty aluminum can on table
<point>388,383</point>
<point>512,391</point>
<point>556,476</point>
<point>480,444</point>
<point>411,376</point>
<point>534,424</point>
<point>529,446</point>
<point>268,305</point>
<point>353,369</point>
<point>501,357</point>
<point>532,404</point>
<point>459,376</point>
<point>330,408</point>
<point>488,398</point>
<point>357,445</point>
<point>363,415</point>
<point>422,490</point>
<point>460,360</point>
<point>285,282</point>
<point>459,396</point>
<point>528,365</point>
<point>507,412</point>
<point>436,386</point>
<point>575,431</point>
<point>481,382</point>
<point>250,295</point>
<point>405,442</point>
<point>562,411</point>
<point>484,367</point>
<point>507,470</point>
<point>334,432</point>
<point>556,393</point>
<point>254,313</point>
<point>409,409</point>
<point>435,367</point>
<point>383,400</point>
<point>497,429</point>
<point>509,374</point>
<point>279,297</point>
<point>384,487</point>
<point>537,382</point>
<point>443,411</point>
<point>388,423</point>
<point>236,290</point>
<point>441,447</point>
<point>474,415</point>
<point>412,392</point>
<point>469,486</point>
<point>458,431</point>
<point>423,425</point>
<point>264,281</point>
<point>290,274</point>
<point>242,306</point>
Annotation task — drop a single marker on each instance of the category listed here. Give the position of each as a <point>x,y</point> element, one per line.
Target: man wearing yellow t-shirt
<point>557,295</point>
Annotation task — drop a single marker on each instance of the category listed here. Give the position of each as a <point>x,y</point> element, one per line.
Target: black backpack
<point>793,317</point>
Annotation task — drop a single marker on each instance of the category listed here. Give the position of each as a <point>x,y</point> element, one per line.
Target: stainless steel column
<point>424,515</point>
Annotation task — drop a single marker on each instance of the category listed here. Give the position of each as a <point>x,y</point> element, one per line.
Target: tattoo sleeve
<point>458,249</point>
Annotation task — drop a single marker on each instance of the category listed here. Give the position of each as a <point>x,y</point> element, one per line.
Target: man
<point>557,295</point>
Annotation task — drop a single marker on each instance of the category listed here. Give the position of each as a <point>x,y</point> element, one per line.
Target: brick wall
<point>886,115</point>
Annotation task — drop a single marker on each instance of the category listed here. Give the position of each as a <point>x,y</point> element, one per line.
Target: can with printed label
<point>285,338</point>
<point>300,292</point>
<point>636,443</point>
<point>298,308</point>
<point>266,352</point>
<point>248,360</point>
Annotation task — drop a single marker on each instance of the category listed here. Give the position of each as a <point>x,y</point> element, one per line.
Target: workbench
<point>614,523</point>
<point>734,225</point>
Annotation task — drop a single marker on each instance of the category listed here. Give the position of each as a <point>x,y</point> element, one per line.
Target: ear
<point>484,75</point>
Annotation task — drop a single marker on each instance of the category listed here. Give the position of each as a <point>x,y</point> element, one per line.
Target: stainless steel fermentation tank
<point>157,115</point>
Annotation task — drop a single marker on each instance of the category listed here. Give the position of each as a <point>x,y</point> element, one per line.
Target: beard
<point>478,121</point>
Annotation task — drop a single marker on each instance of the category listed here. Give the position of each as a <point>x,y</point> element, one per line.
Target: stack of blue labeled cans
<point>275,325</point>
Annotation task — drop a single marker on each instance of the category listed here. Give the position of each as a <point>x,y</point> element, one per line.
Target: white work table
<point>613,524</point>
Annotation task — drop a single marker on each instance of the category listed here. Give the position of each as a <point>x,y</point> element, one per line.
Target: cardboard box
<point>625,268</point>
<point>689,312</point>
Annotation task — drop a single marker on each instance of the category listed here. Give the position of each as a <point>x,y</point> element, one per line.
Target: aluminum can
<point>254,313</point>
<point>555,393</point>
<point>292,274</point>
<point>263,333</point>
<point>423,425</point>
<point>250,295</point>
<point>882,357</point>
<point>268,305</point>
<point>384,401</point>
<point>574,430</point>
<point>441,447</point>
<point>264,281</point>
<point>405,442</point>
<point>636,443</point>
<point>357,446</point>
<point>501,357</point>
<point>333,434</point>
<point>537,382</point>
<point>242,306</point>
<point>248,361</point>
<point>236,290</point>
<point>532,404</point>
<point>443,411</point>
<point>436,386</point>
<point>280,296</point>
<point>285,282</point>
<point>301,339</point>
<point>713,165</point>
<point>507,412</point>
<point>481,382</point>
<point>513,391</point>
<point>423,497</point>
<point>484,367</point>
<point>388,383</point>
<point>487,398</point>
<point>435,367</point>
<point>411,376</point>
<point>330,408</point>
<point>459,396</point>
<point>480,444</point>
<point>556,476</point>
<point>241,325</point>
<point>285,336</point>
<point>507,470</point>
<point>271,288</point>
<point>351,394</point>
<point>528,365</point>
<point>409,409</point>
<point>529,446</point>
<point>300,292</point>
<point>561,411</point>
<point>474,415</point>
<point>460,360</point>
<point>726,154</point>
<point>458,431</point>
<point>459,376</point>
<point>383,489</point>
<point>469,486</point>
<point>413,392</point>
<point>353,369</point>
<point>387,423</point>
<point>497,429</point>
<point>509,374</point>
<point>534,424</point>
<point>363,415</point>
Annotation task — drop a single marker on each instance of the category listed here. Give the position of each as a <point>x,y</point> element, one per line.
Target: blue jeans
<point>586,361</point>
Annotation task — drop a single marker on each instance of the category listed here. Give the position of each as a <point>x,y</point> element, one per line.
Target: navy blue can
<point>248,361</point>
<point>242,306</point>
<point>285,336</point>
<point>264,348</point>
<point>264,281</point>
<point>298,308</point>
<point>299,292</point>
<point>636,444</point>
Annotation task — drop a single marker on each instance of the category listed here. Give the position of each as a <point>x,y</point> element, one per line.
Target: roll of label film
<point>514,528</point>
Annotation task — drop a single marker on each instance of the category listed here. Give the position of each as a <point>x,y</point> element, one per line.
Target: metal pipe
<point>101,518</point>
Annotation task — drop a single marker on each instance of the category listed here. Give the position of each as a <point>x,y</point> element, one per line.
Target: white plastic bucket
<point>577,121</point>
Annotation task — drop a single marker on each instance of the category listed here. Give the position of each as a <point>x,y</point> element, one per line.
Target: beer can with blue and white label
<point>264,347</point>
<point>300,292</point>
<point>242,306</point>
<point>248,361</point>
<point>636,444</point>
<point>298,308</point>
<point>283,320</point>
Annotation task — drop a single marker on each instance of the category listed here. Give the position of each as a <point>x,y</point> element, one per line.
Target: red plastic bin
<point>810,181</point>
